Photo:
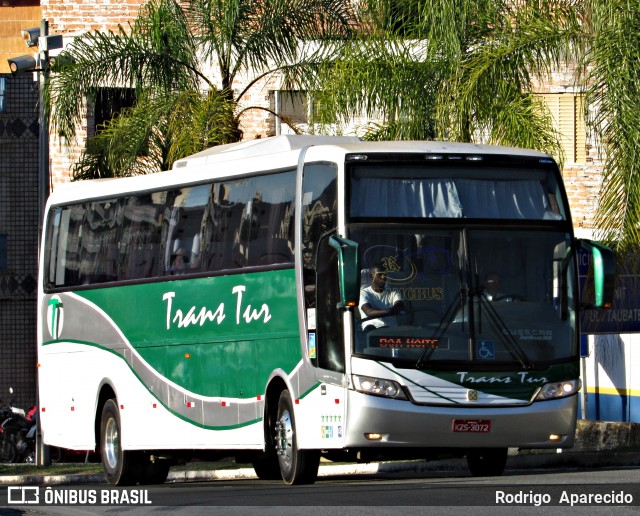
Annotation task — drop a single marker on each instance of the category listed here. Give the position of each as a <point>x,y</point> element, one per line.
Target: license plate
<point>472,425</point>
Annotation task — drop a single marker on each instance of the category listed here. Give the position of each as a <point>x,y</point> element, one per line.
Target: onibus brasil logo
<point>55,317</point>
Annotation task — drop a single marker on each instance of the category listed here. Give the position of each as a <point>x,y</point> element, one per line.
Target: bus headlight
<point>378,387</point>
<point>555,390</point>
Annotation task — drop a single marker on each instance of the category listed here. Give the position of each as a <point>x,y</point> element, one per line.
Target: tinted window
<point>211,227</point>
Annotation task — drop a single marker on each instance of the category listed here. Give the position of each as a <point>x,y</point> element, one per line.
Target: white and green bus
<point>213,310</point>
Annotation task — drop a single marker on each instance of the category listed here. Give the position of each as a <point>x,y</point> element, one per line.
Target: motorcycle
<point>17,434</point>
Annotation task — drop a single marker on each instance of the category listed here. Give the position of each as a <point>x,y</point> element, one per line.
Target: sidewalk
<point>598,444</point>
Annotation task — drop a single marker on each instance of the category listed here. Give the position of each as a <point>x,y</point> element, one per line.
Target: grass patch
<point>93,468</point>
<point>54,469</point>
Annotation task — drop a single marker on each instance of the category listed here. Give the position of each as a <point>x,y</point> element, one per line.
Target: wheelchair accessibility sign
<point>485,350</point>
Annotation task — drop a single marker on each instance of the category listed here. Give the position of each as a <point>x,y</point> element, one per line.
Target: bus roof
<point>285,143</point>
<point>262,154</point>
<point>261,147</point>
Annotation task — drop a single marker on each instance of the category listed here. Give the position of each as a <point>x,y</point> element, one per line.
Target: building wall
<point>73,17</point>
<point>19,130</point>
<point>14,18</point>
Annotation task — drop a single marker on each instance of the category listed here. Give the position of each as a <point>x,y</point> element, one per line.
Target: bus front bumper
<point>379,422</point>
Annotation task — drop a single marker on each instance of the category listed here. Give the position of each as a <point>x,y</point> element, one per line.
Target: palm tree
<point>454,69</point>
<point>464,70</point>
<point>161,56</point>
<point>613,76</point>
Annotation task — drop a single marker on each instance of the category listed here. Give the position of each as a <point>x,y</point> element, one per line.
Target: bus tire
<point>155,472</point>
<point>487,462</point>
<point>296,466</point>
<point>267,468</point>
<point>122,468</point>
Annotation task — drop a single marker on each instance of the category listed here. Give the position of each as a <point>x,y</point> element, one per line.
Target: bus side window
<point>271,236</point>
<point>63,246</point>
<point>98,243</point>
<point>186,214</point>
<point>140,240</point>
<point>223,214</point>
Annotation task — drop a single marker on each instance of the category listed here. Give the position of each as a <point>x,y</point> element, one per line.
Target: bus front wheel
<point>296,466</point>
<point>121,467</point>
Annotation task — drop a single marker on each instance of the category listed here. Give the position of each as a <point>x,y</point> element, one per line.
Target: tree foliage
<point>612,64</point>
<point>452,69</point>
<point>416,69</point>
<point>167,56</point>
<point>464,70</point>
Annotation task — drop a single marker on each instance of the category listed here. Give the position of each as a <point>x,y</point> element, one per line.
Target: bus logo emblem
<point>472,395</point>
<point>55,317</point>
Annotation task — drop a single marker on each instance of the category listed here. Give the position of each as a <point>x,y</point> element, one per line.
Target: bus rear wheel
<point>296,466</point>
<point>122,468</point>
<point>487,462</point>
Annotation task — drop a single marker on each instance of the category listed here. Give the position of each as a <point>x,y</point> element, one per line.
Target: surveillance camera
<point>22,64</point>
<point>31,36</point>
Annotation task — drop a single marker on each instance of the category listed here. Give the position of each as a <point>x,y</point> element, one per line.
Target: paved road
<point>556,491</point>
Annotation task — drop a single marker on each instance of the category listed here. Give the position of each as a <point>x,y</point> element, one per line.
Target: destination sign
<point>400,342</point>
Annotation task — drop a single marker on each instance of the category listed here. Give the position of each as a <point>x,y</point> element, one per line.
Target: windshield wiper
<point>502,330</point>
<point>449,317</point>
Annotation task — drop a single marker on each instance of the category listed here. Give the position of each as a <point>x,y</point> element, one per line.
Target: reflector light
<point>373,436</point>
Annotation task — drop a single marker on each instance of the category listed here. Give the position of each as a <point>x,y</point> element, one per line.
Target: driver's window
<point>330,349</point>
<point>318,217</point>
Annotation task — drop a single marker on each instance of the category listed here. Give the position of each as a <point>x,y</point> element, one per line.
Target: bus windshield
<point>452,189</point>
<point>477,296</point>
<point>442,281</point>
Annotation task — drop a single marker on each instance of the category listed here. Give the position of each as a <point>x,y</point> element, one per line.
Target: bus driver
<point>378,304</point>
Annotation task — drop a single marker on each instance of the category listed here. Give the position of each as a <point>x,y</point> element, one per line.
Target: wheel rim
<point>284,441</point>
<point>111,443</point>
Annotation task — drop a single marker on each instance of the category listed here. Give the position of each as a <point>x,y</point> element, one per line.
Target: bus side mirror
<point>599,289</point>
<point>348,270</point>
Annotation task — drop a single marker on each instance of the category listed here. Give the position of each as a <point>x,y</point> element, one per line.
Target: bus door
<point>324,320</point>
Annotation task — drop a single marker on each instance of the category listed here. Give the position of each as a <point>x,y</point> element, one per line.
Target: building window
<point>567,110</point>
<point>109,102</point>
<point>3,94</point>
<point>292,107</point>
